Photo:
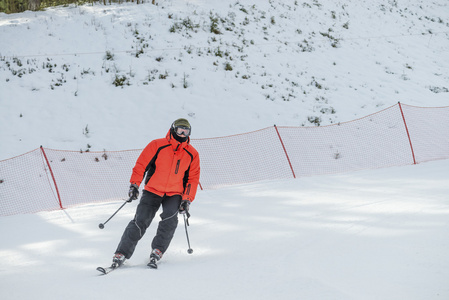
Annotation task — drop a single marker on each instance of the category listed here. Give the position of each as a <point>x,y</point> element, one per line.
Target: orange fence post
<point>285,150</point>
<point>408,134</point>
<point>53,177</point>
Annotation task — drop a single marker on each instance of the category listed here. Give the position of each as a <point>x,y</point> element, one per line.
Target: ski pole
<point>101,225</point>
<point>190,250</point>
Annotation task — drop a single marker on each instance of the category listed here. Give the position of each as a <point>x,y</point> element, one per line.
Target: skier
<point>172,169</point>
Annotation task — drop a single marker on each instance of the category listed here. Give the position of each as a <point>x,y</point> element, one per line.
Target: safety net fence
<point>49,179</point>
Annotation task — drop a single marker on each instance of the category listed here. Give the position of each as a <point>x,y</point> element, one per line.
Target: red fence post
<point>285,150</point>
<point>408,134</point>
<point>53,177</point>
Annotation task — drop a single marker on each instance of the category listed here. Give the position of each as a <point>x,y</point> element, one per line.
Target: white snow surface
<point>374,234</point>
<point>377,234</point>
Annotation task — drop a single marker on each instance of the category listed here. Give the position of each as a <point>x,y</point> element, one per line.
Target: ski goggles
<point>182,130</point>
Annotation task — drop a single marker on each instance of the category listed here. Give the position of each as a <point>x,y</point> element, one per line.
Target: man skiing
<point>172,169</point>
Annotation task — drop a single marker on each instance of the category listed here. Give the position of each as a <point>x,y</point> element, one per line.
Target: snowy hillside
<point>114,77</point>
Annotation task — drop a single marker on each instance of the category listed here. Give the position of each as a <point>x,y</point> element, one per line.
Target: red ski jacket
<point>171,168</point>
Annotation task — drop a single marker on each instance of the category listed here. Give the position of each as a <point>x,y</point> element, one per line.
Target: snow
<point>378,234</point>
<point>374,234</point>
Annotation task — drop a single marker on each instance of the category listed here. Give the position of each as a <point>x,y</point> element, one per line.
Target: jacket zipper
<point>177,166</point>
<point>187,190</point>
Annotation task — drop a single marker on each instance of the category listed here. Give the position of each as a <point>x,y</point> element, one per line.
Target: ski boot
<point>118,260</point>
<point>155,256</point>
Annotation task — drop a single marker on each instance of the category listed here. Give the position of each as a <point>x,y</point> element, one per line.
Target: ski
<point>152,264</point>
<point>107,270</point>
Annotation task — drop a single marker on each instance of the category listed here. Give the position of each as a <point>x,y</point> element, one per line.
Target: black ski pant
<point>146,210</point>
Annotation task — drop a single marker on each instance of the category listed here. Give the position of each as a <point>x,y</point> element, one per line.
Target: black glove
<point>184,207</point>
<point>133,192</point>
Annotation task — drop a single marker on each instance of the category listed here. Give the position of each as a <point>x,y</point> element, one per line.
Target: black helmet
<point>181,127</point>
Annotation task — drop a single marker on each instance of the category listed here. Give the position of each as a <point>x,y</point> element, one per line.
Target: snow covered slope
<point>378,234</point>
